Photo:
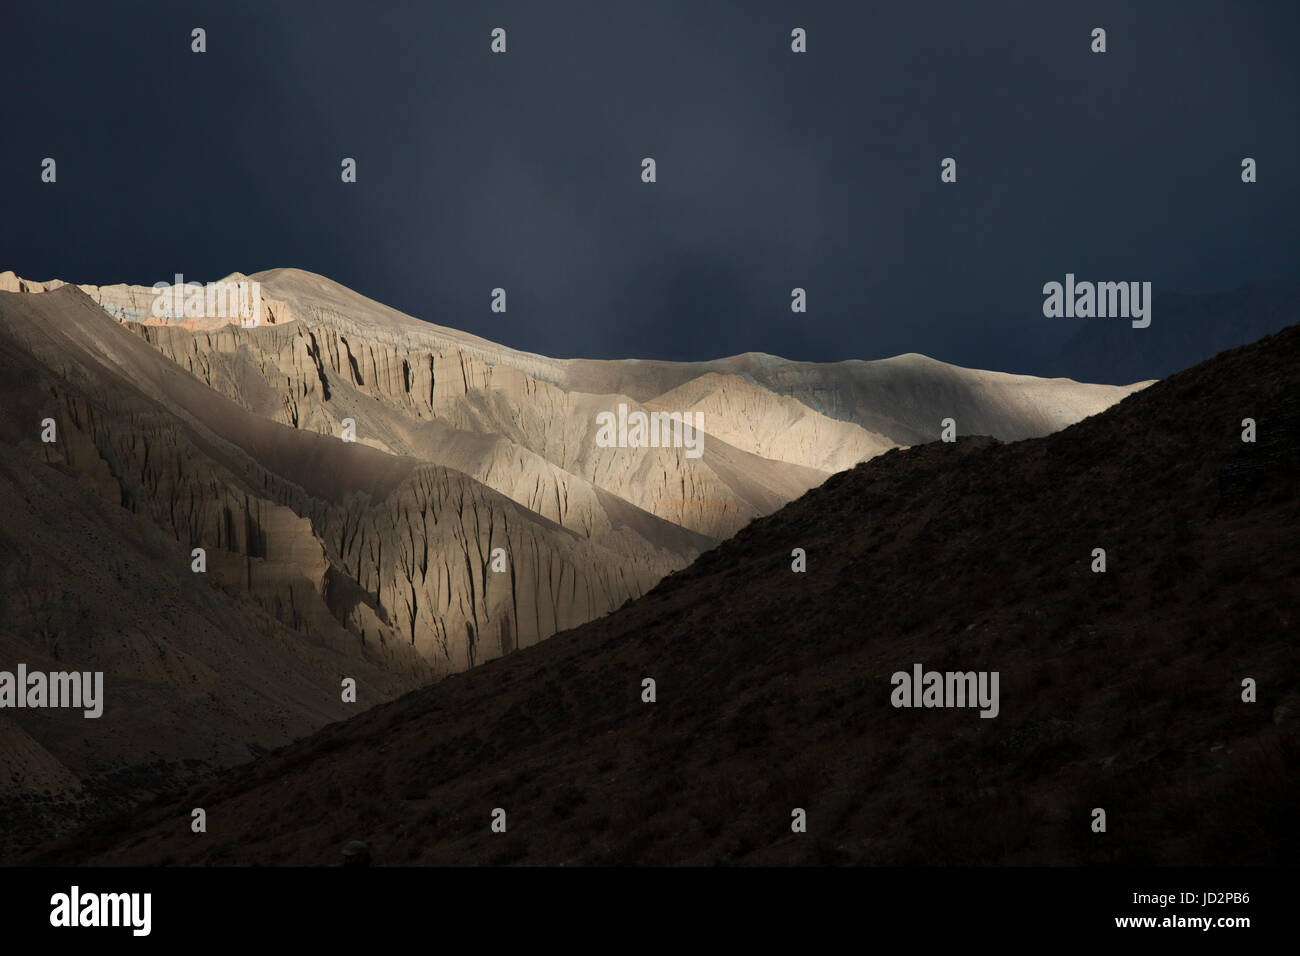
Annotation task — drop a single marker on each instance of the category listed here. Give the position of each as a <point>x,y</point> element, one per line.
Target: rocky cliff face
<point>140,304</point>
<point>463,447</point>
<point>324,560</point>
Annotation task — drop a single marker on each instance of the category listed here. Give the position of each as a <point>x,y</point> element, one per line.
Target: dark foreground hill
<point>1119,690</point>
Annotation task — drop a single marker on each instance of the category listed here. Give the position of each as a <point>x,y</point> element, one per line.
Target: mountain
<point>522,425</point>
<point>473,515</point>
<point>201,670</point>
<point>1120,691</point>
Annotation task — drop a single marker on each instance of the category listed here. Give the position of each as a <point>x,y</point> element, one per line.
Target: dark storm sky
<point>775,169</point>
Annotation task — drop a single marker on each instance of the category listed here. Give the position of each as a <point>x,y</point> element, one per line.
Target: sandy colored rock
<point>371,559</point>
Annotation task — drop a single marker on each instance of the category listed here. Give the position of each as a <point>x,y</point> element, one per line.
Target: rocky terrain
<point>1120,691</point>
<point>472,516</point>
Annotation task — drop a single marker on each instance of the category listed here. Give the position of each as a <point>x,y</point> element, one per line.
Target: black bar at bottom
<point>619,907</point>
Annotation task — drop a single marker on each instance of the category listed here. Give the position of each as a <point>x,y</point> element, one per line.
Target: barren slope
<point>324,559</point>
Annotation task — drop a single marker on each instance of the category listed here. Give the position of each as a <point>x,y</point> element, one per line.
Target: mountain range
<point>472,516</point>
<point>1158,689</point>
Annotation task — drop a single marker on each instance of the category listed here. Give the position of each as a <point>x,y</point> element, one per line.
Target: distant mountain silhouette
<point>1120,691</point>
<point>1185,329</point>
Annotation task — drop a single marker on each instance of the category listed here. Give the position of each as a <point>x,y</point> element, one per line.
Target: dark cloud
<point>775,170</point>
